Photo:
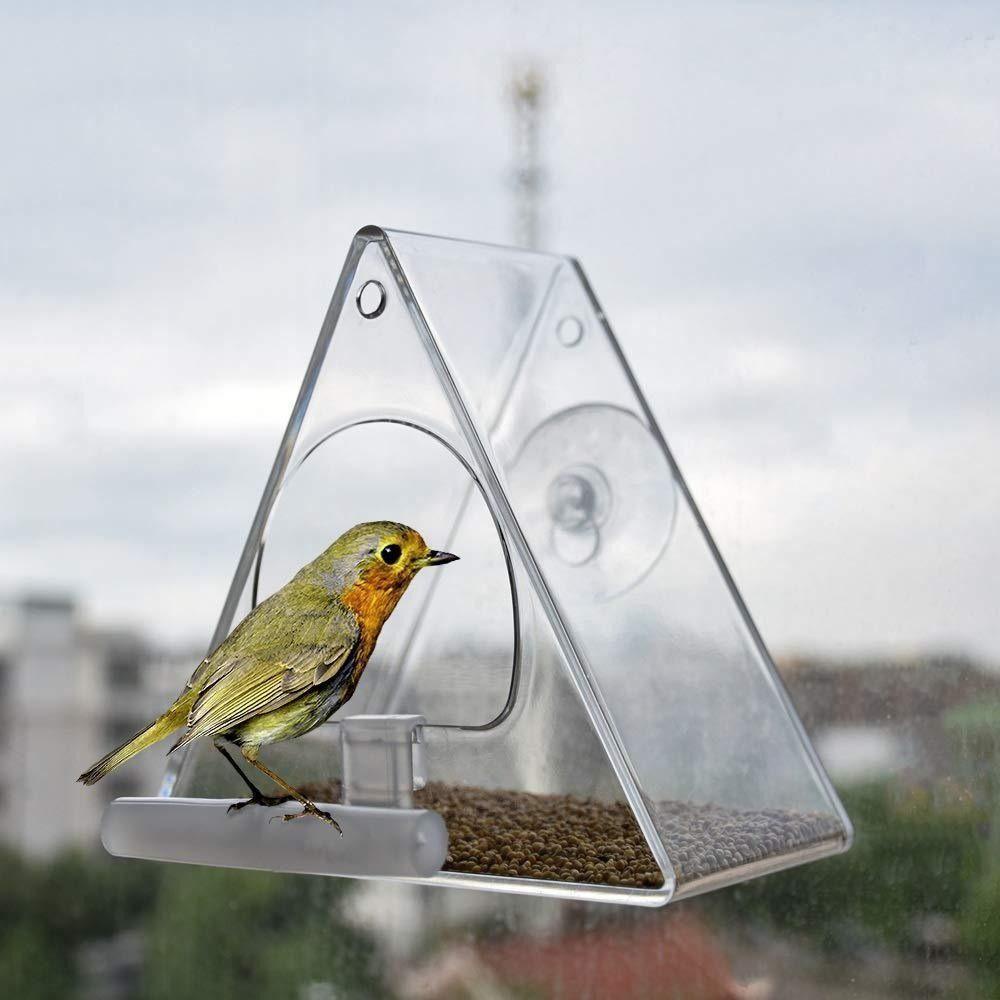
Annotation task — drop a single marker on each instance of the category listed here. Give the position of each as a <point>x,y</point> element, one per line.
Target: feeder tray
<point>581,707</point>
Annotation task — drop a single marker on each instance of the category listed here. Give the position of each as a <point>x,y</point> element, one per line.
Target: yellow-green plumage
<point>298,655</point>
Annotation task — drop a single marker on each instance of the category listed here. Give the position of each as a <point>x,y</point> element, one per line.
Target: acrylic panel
<point>602,719</point>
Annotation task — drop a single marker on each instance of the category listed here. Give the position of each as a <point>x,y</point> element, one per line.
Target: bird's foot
<point>260,800</point>
<point>311,809</point>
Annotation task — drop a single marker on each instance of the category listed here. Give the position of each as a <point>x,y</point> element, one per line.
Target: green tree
<point>48,909</point>
<point>911,857</point>
<point>233,934</point>
<point>31,964</point>
<point>97,896</point>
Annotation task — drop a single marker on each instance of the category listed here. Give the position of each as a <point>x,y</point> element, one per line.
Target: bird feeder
<point>581,707</point>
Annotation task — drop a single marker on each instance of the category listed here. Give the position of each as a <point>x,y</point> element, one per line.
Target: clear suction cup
<point>598,498</point>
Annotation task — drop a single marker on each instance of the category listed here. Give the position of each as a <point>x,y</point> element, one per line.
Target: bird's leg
<point>257,797</point>
<point>308,806</point>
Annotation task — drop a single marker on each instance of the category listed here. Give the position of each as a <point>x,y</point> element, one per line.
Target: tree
<point>233,934</point>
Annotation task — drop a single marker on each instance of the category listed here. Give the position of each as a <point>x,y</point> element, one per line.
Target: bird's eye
<point>390,554</point>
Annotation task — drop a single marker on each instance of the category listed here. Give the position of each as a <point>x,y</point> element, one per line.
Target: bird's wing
<point>242,686</point>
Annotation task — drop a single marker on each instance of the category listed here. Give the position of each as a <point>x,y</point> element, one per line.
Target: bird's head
<point>377,557</point>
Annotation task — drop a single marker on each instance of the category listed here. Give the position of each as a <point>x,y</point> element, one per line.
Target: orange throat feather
<point>372,602</point>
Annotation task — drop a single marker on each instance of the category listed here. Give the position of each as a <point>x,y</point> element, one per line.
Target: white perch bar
<point>377,842</point>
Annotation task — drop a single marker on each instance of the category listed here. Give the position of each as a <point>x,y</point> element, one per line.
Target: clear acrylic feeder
<point>580,707</point>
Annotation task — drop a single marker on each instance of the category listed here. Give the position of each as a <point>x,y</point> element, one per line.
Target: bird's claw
<point>261,800</point>
<point>312,810</point>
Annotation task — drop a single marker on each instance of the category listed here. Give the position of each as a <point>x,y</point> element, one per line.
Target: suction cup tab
<point>598,498</point>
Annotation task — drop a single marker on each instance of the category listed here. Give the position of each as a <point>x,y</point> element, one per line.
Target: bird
<point>294,660</point>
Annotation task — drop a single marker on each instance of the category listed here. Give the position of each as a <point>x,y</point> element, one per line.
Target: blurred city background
<point>790,217</point>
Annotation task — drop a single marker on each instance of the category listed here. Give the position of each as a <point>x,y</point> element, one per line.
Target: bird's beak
<point>437,558</point>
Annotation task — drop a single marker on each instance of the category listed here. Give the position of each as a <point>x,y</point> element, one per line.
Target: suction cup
<point>598,499</point>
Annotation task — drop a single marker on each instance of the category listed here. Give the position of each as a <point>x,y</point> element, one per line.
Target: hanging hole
<point>569,331</point>
<point>371,299</point>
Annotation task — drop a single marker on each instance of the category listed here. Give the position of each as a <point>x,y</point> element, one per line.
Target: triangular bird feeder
<point>580,707</point>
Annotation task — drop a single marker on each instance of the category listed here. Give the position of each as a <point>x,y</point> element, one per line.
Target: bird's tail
<point>172,719</point>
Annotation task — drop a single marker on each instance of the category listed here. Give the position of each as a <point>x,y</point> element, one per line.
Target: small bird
<point>295,659</point>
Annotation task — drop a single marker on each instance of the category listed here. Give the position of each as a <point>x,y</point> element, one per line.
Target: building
<point>875,718</point>
<point>68,694</point>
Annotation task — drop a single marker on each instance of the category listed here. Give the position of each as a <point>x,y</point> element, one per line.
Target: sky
<point>789,213</point>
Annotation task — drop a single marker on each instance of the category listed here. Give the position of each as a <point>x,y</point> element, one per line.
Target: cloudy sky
<point>791,217</point>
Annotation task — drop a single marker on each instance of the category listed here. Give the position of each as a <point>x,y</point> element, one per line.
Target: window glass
<point>790,214</point>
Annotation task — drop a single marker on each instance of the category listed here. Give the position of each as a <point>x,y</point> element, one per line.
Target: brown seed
<point>503,832</point>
